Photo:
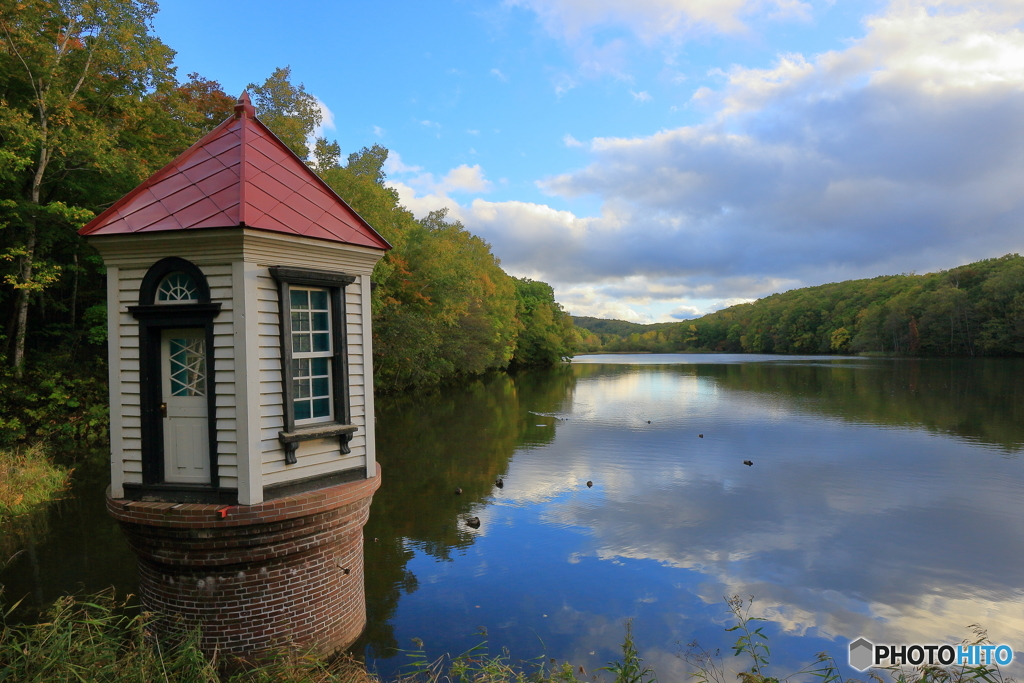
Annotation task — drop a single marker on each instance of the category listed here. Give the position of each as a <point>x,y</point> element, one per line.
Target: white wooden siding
<point>115,373</point>
<point>218,276</point>
<point>246,353</point>
<point>129,413</point>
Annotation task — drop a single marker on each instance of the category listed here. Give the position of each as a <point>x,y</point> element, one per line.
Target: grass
<point>28,479</point>
<point>95,640</point>
<point>753,643</point>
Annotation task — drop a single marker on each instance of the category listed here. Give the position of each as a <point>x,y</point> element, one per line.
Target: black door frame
<point>153,320</point>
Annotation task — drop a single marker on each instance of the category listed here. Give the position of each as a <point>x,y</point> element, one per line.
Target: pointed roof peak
<point>238,175</point>
<point>244,108</point>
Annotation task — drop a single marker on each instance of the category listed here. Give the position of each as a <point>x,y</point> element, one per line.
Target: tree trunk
<point>24,295</point>
<point>74,288</point>
<point>30,251</point>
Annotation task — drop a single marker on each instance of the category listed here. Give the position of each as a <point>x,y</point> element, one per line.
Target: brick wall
<point>286,572</point>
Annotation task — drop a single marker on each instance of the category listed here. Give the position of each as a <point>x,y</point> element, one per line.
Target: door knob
<point>163,410</point>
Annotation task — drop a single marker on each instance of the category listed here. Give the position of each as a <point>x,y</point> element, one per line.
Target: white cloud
<point>326,123</point>
<point>569,141</point>
<point>378,131</point>
<point>422,193</point>
<point>652,19</point>
<point>394,164</point>
<point>421,205</point>
<point>642,96</point>
<point>500,76</point>
<point>465,178</point>
<point>901,152</point>
<point>327,118</point>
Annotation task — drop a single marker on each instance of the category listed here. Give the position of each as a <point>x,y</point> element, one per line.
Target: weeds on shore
<point>27,478</point>
<point>94,639</point>
<point>709,668</point>
<point>477,665</point>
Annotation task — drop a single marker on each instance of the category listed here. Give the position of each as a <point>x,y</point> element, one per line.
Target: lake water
<point>885,500</point>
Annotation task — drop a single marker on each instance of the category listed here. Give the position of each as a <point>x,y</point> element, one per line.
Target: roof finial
<point>244,107</point>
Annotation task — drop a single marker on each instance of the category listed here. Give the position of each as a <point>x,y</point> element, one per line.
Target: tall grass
<point>95,640</point>
<point>752,642</point>
<point>27,479</point>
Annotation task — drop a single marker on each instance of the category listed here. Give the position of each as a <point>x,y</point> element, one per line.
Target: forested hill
<point>975,309</point>
<point>618,328</point>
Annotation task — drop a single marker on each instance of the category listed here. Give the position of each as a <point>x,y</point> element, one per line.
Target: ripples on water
<point>884,501</point>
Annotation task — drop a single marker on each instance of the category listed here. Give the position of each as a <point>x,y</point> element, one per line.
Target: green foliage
<point>619,328</point>
<point>708,668</point>
<point>27,479</point>
<point>752,642</point>
<point>288,110</point>
<point>967,311</point>
<point>630,669</point>
<point>95,639</point>
<point>547,335</point>
<point>60,400</point>
<point>598,335</point>
<point>89,108</point>
<point>972,310</point>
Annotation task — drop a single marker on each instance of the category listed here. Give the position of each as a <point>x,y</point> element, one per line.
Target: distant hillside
<point>619,328</point>
<point>972,310</point>
<point>598,334</point>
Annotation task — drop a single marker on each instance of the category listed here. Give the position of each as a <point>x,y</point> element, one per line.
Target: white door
<point>184,379</point>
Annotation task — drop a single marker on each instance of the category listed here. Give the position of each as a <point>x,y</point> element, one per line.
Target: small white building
<point>238,287</point>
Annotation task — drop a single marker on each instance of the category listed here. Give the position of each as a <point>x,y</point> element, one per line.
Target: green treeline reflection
<point>429,443</point>
<point>981,399</point>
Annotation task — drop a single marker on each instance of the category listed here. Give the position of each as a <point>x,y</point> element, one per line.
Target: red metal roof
<point>239,174</point>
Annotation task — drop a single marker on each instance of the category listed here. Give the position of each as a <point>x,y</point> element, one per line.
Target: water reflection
<point>68,546</point>
<point>429,444</point>
<point>883,501</point>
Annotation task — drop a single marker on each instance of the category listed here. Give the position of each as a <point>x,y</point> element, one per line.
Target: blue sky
<point>657,159</point>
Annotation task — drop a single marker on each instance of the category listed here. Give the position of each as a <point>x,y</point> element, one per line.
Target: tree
<point>288,110</point>
<point>547,335</point>
<point>66,66</point>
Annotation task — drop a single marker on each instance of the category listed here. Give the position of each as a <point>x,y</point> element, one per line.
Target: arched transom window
<point>177,288</point>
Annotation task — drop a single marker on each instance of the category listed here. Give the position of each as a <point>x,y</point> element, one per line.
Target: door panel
<point>184,384</point>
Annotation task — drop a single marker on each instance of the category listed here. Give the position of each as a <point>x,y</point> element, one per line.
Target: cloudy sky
<point>657,159</point>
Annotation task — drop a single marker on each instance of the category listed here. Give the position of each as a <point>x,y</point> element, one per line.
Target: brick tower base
<point>284,573</point>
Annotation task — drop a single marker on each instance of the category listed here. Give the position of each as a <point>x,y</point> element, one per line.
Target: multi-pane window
<point>188,366</point>
<point>313,357</point>
<point>311,354</point>
<point>177,288</point>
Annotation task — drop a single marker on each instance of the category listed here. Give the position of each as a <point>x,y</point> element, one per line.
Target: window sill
<point>320,430</point>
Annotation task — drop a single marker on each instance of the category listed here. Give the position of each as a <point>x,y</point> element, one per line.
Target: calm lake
<point>885,500</point>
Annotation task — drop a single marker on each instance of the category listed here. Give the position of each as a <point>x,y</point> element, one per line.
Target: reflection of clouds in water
<point>846,529</point>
